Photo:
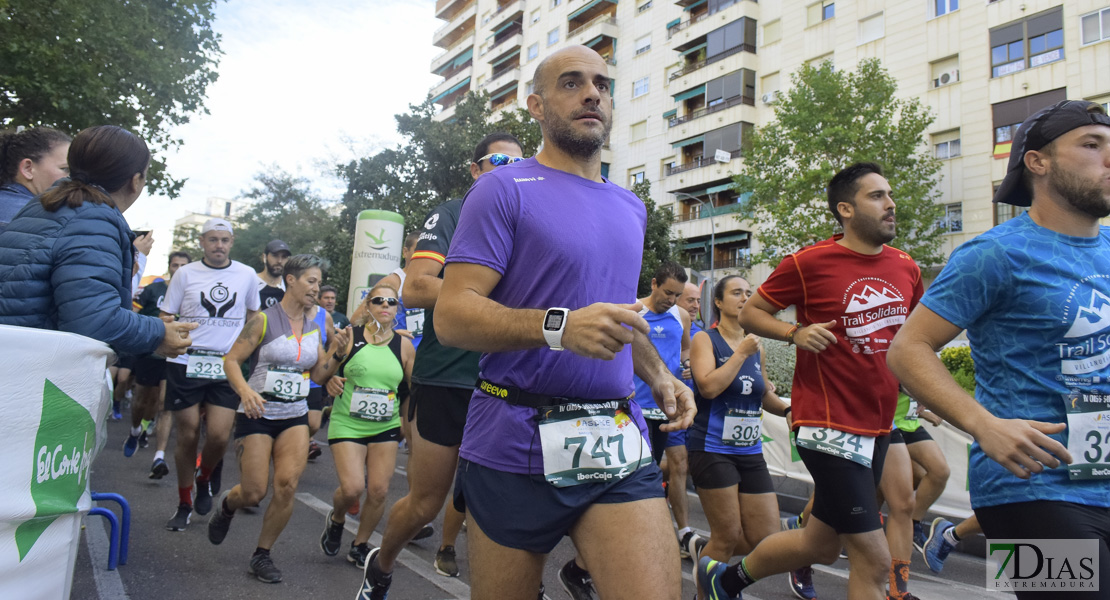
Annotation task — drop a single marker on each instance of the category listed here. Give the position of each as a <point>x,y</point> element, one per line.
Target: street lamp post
<point>712,235</point>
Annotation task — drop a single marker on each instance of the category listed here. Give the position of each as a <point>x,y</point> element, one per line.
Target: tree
<point>828,120</point>
<point>143,65</point>
<point>659,246</point>
<point>186,238</point>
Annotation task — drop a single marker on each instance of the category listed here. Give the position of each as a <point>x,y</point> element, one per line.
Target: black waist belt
<point>519,397</point>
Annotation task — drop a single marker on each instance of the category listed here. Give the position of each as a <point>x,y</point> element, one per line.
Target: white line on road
<point>109,586</point>
<point>451,585</point>
<point>929,582</point>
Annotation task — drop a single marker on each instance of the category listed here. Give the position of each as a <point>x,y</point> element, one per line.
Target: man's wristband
<point>790,334</point>
<point>786,412</point>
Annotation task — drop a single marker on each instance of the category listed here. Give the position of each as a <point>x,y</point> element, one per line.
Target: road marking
<point>109,586</point>
<point>452,585</point>
<point>946,584</point>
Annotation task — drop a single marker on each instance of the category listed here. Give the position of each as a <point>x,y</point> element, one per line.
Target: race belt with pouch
<point>583,441</point>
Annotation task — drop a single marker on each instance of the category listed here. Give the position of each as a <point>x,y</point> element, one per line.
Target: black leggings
<point>658,438</point>
<point>1044,519</point>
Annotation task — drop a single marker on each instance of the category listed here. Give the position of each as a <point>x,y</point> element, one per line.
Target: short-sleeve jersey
<point>666,335</point>
<point>1036,307</point>
<point>745,392</point>
<point>557,240</point>
<point>270,295</point>
<point>435,363</point>
<point>848,386</point>
<point>217,299</point>
<point>151,297</point>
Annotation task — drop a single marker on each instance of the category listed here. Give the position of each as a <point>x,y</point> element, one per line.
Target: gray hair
<point>297,265</point>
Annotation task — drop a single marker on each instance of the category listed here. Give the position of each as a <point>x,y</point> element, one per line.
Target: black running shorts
<point>657,437</point>
<point>844,491</point>
<point>183,392</point>
<point>316,398</point>
<point>150,370</point>
<point>245,426</point>
<point>919,435</point>
<point>711,471</point>
<point>440,412</point>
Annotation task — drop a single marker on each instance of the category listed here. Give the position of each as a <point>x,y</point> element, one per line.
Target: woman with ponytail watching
<point>30,162</point>
<point>66,259</point>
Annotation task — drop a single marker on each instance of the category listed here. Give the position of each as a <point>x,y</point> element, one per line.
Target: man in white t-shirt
<point>220,295</point>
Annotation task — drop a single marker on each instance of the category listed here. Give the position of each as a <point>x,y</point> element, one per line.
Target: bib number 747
<point>590,443</point>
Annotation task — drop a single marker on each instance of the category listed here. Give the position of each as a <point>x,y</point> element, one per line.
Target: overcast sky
<point>303,83</point>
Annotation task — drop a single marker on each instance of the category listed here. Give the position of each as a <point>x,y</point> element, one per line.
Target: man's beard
<point>561,134</point>
<point>1084,196</point>
<point>872,231</point>
<point>274,270</point>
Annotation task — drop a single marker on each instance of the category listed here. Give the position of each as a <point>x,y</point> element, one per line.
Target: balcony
<point>501,79</point>
<point>697,163</point>
<point>447,114</point>
<point>701,263</point>
<point>694,66</point>
<point>605,24</point>
<point>451,54</point>
<point>459,27</point>
<point>512,37</point>
<point>504,99</point>
<point>708,110</point>
<point>518,6</point>
<point>442,88</point>
<point>447,9</point>
<point>684,24</point>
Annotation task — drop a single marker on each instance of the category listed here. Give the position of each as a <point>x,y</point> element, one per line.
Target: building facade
<point>693,78</point>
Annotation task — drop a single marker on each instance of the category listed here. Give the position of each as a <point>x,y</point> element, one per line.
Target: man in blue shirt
<point>1034,297</point>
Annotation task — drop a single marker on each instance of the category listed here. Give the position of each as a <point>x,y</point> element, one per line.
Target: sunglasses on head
<point>379,300</point>
<point>499,160</point>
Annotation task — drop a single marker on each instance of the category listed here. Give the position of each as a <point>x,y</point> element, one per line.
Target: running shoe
<point>919,536</point>
<point>332,537</point>
<point>144,439</point>
<point>375,584</point>
<point>116,414</point>
<point>580,586</point>
<point>130,446</point>
<point>180,519</point>
<point>314,450</point>
<point>425,532</point>
<point>684,548</point>
<point>219,522</point>
<point>801,583</point>
<point>542,596</point>
<point>357,554</point>
<point>788,523</point>
<point>709,578</point>
<point>216,479</point>
<point>445,562</point>
<point>262,567</point>
<point>202,503</point>
<point>936,547</point>
<point>906,596</point>
<point>158,469</point>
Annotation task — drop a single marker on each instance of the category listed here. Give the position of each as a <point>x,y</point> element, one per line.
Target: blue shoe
<point>801,583</point>
<point>919,536</point>
<point>936,547</point>
<point>709,578</point>
<point>789,523</point>
<point>131,445</point>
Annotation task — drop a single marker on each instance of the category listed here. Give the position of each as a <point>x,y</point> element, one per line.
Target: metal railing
<point>452,23</point>
<point>690,68</point>
<point>603,18</point>
<point>688,22</point>
<point>708,110</point>
<point>697,163</point>
<point>497,74</point>
<point>704,212</point>
<point>702,263</point>
<point>508,35</point>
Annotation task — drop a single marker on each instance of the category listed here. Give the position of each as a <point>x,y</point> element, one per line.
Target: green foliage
<point>142,65</point>
<point>826,121</point>
<point>186,238</point>
<point>778,362</point>
<point>283,207</point>
<point>957,359</point>
<point>659,245</point>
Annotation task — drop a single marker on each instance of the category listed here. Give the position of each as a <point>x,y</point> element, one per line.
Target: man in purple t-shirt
<point>546,257</point>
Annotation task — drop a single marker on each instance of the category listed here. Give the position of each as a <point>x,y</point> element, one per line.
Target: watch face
<point>553,321</point>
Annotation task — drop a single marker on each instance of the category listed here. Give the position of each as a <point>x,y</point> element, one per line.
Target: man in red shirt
<point>852,293</point>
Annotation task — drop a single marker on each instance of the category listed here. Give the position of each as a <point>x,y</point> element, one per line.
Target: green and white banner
<point>52,420</point>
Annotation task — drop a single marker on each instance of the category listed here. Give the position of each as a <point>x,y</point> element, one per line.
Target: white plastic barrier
<point>955,502</point>
<point>52,420</point>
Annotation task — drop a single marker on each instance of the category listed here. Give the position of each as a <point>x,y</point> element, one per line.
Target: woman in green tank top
<point>365,425</point>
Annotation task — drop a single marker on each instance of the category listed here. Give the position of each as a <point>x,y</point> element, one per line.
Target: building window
<point>533,51</point>
<point>820,12</point>
<point>943,7</point>
<point>772,32</point>
<point>553,37</point>
<point>643,6</point>
<point>1095,27</point>
<point>1008,115</point>
<point>953,219</point>
<point>870,29</point>
<point>945,71</point>
<point>946,145</point>
<point>637,177</point>
<point>1004,212</point>
<point>1028,43</point>
<point>637,131</point>
<point>555,3</point>
<point>536,16</point>
<point>529,88</point>
<point>643,44</point>
<point>641,86</point>
<point>605,170</point>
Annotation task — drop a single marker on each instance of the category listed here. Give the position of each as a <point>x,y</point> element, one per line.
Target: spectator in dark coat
<point>66,258</point>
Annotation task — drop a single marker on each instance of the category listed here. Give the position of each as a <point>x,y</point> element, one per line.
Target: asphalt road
<point>185,566</point>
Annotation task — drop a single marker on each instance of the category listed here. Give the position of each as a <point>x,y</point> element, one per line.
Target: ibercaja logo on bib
<point>60,463</point>
<point>1042,565</point>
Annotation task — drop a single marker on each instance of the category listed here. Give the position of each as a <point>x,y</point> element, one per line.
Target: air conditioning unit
<point>770,97</point>
<point>947,77</point>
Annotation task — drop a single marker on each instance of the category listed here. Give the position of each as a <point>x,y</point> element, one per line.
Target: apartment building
<point>693,78</point>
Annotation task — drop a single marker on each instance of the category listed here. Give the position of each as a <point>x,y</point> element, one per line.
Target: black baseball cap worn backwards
<point>1038,131</point>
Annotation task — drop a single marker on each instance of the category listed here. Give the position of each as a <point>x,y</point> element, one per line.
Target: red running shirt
<point>848,386</point>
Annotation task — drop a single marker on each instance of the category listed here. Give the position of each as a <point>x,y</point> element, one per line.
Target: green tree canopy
<point>143,65</point>
<point>659,245</point>
<point>826,121</point>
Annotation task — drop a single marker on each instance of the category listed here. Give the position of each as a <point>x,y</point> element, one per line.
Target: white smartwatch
<point>554,321</point>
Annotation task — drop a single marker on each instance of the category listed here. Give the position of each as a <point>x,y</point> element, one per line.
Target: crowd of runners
<point>540,399</point>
